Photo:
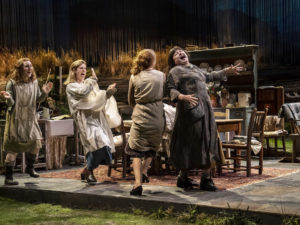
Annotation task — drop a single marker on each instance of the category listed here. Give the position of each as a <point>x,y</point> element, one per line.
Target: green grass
<point>14,212</point>
<point>20,213</point>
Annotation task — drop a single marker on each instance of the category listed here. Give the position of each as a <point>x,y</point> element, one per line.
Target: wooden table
<point>226,125</point>
<point>52,128</point>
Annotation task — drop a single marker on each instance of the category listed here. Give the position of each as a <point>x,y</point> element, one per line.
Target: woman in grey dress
<point>145,95</point>
<point>22,132</point>
<point>87,103</point>
<point>194,142</point>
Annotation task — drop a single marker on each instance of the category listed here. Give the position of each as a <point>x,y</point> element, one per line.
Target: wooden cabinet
<point>271,98</point>
<point>246,81</point>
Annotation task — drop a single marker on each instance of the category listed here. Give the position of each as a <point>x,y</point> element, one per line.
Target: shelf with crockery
<point>220,58</point>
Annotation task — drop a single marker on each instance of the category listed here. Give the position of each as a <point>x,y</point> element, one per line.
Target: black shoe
<point>207,184</point>
<point>145,179</point>
<point>31,172</point>
<point>185,183</point>
<point>30,160</point>
<point>10,182</point>
<point>84,175</point>
<point>91,179</point>
<point>137,191</point>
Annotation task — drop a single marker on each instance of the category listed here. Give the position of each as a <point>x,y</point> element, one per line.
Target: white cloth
<point>170,113</point>
<point>255,144</point>
<point>87,104</point>
<point>112,114</point>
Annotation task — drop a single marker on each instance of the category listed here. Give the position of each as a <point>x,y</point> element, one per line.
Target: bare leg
<point>137,169</point>
<point>146,165</point>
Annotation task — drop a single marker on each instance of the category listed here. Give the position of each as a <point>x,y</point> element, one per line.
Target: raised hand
<point>234,69</point>
<point>112,86</point>
<point>47,87</point>
<point>5,94</point>
<point>94,76</point>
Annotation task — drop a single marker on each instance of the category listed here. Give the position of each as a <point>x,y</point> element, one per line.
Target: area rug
<point>228,180</point>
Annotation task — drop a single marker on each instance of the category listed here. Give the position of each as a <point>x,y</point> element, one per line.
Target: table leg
<point>76,145</point>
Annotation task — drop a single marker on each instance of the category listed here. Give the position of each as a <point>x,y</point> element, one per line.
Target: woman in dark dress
<point>194,142</point>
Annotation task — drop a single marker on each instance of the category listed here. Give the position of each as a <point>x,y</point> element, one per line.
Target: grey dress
<point>145,94</point>
<point>194,144</point>
<point>22,132</point>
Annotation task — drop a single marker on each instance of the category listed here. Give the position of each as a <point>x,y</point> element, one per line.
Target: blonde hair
<point>143,60</point>
<point>18,73</point>
<point>72,71</point>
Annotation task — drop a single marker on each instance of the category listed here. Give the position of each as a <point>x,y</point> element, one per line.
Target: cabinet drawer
<point>237,114</point>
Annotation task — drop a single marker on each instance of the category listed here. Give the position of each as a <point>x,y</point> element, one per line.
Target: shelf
<point>230,52</point>
<point>242,73</point>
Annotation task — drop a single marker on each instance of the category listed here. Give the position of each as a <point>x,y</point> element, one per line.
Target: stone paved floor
<point>277,196</point>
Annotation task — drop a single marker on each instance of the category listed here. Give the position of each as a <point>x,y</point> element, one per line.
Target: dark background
<point>104,28</point>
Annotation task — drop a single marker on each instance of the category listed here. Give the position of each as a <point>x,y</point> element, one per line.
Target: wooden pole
<point>60,83</point>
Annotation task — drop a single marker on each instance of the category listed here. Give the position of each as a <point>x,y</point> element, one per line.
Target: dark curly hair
<point>143,60</point>
<point>171,62</point>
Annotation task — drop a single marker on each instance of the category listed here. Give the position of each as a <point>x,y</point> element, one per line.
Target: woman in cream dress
<point>87,103</point>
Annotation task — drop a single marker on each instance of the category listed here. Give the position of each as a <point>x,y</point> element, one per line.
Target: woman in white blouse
<point>86,103</point>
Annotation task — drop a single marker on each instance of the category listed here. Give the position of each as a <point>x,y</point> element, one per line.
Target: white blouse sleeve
<point>87,96</point>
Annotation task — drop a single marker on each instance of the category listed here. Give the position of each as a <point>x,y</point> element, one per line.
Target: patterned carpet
<point>228,180</point>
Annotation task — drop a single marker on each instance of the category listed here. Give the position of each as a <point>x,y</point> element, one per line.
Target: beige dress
<point>22,132</point>
<point>87,105</point>
<point>145,94</point>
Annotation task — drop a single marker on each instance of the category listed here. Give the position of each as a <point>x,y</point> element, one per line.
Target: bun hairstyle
<point>171,62</point>
<point>143,60</point>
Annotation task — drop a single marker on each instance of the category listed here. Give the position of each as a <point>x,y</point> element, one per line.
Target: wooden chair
<point>291,112</point>
<point>219,113</point>
<point>256,127</point>
<point>274,130</point>
<point>120,158</point>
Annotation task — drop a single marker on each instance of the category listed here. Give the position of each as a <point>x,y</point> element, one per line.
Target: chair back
<point>291,111</point>
<point>273,123</point>
<point>221,114</point>
<point>256,125</point>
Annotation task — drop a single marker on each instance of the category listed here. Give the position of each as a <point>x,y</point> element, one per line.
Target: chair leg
<point>248,162</point>
<point>283,143</point>
<point>261,160</point>
<point>109,171</point>
<point>268,144</point>
<point>219,169</point>
<point>124,164</point>
<point>276,143</point>
<point>23,162</point>
<point>236,161</point>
